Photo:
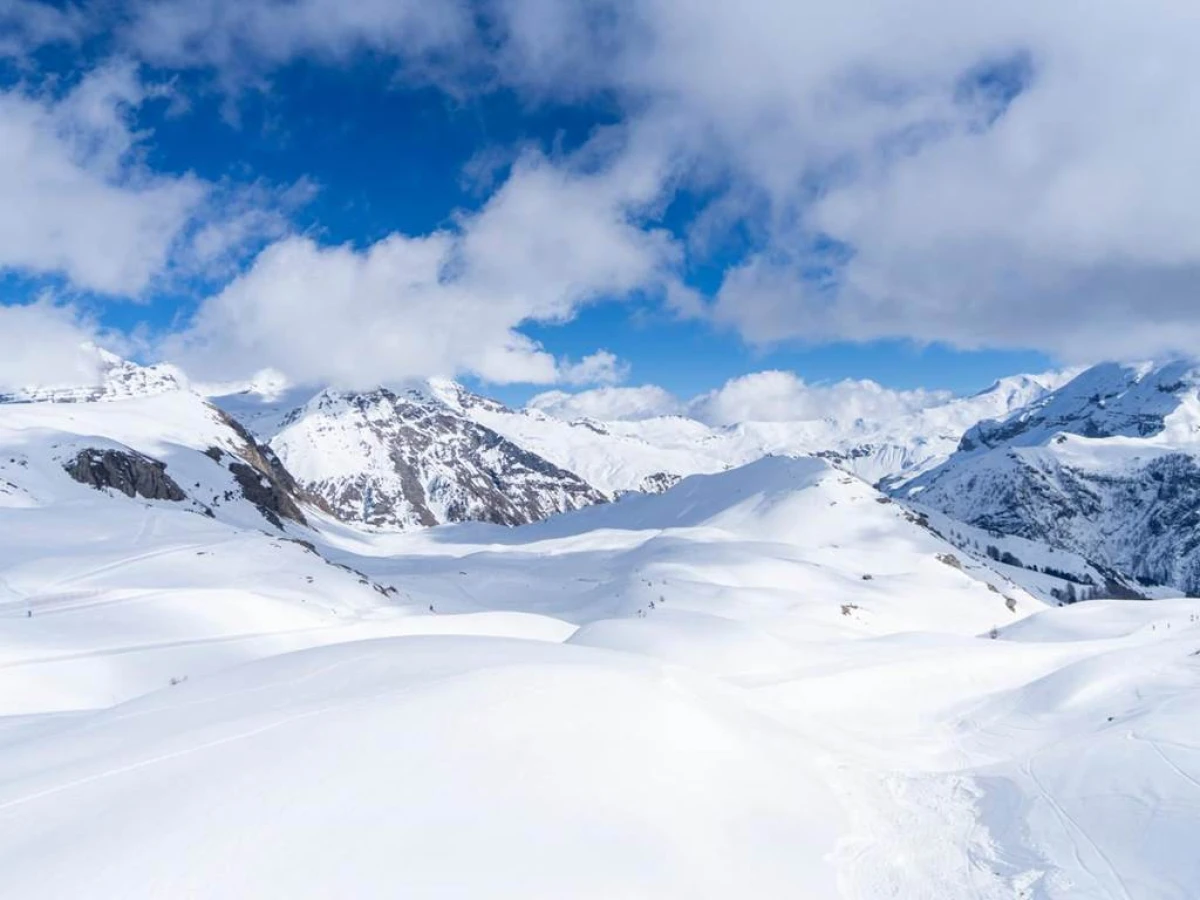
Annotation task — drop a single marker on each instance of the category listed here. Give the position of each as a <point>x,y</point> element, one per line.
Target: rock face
<point>263,479</point>
<point>659,482</point>
<point>1107,467</point>
<point>400,460</point>
<point>130,473</point>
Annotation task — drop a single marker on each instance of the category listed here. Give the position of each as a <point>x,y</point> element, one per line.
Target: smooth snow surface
<point>772,682</point>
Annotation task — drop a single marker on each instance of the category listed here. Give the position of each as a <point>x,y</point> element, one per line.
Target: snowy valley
<point>783,659</point>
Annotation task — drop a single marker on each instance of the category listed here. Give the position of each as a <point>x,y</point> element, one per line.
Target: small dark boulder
<point>133,474</point>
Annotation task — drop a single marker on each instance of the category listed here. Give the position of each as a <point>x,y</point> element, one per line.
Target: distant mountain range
<point>434,454</point>
<point>1099,467</point>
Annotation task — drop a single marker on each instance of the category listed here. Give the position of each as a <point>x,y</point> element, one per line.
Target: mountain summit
<point>389,459</point>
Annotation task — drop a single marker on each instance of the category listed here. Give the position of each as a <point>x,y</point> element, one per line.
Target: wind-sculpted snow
<point>431,767</point>
<point>771,682</point>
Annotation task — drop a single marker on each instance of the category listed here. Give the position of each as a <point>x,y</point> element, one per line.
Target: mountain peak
<point>1106,400</point>
<point>114,378</point>
<point>403,458</point>
<point>457,396</point>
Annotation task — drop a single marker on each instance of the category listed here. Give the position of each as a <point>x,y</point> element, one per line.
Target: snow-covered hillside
<point>148,438</point>
<point>768,682</point>
<point>1108,467</point>
<point>782,538</point>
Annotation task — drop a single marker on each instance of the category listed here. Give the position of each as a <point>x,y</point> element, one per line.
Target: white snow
<point>326,441</point>
<point>1105,467</point>
<point>619,456</point>
<point>770,682</point>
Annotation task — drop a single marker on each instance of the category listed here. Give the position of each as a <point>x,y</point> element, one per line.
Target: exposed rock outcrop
<point>130,473</point>
<point>263,479</point>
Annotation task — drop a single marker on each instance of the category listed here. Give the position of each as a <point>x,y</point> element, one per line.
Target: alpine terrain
<point>234,663</point>
<point>1107,466</point>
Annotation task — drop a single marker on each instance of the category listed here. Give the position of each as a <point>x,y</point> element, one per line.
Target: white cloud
<point>1067,221</point>
<point>26,25</point>
<point>81,202</point>
<point>242,38</point>
<point>608,403</point>
<point>547,242</point>
<point>601,367</point>
<point>771,396</point>
<point>778,396</point>
<point>76,200</point>
<point>43,344</point>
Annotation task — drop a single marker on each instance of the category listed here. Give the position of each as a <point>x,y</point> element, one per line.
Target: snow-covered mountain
<point>142,433</point>
<point>768,682</point>
<point>114,378</point>
<point>399,460</point>
<point>888,696</point>
<point>441,453</point>
<point>1108,466</point>
<point>621,456</point>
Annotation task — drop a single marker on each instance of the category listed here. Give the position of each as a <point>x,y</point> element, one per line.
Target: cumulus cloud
<point>984,174</point>
<point>76,200</point>
<point>601,367</point>
<point>779,396</point>
<point>547,242</point>
<point>43,344</point>
<point>81,202</point>
<point>771,396</point>
<point>608,403</point>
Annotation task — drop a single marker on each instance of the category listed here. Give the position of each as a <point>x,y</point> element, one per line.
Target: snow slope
<point>427,767</point>
<point>786,541</point>
<point>106,595</point>
<point>772,681</point>
<point>690,695</point>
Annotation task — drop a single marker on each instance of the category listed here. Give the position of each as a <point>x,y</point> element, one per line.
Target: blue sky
<point>564,180</point>
<point>392,159</point>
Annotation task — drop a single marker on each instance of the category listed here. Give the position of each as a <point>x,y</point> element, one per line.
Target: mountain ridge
<point>1107,466</point>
